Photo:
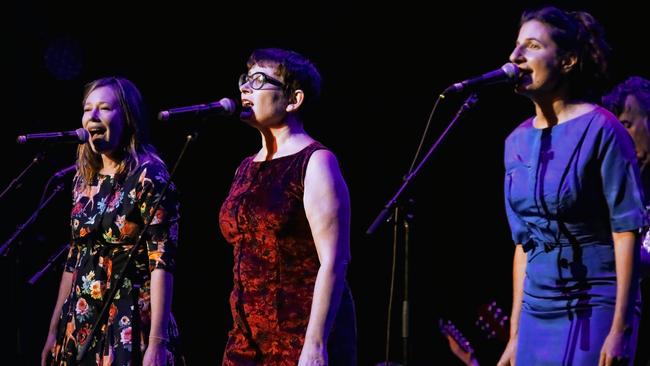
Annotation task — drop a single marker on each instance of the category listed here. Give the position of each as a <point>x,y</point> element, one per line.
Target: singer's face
<point>103,119</point>
<point>635,120</point>
<point>536,55</point>
<point>265,107</point>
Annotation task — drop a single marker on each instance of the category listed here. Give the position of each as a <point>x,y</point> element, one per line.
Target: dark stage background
<point>383,66</point>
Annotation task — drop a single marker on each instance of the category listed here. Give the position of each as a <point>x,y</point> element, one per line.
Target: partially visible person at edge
<point>118,182</point>
<point>630,101</point>
<point>287,216</point>
<point>574,202</point>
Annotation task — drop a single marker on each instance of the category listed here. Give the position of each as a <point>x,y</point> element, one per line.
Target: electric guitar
<point>458,344</point>
<point>492,321</point>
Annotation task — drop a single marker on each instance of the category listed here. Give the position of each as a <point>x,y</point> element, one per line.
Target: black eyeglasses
<point>258,80</point>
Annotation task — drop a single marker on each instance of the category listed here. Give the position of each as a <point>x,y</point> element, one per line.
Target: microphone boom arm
<point>4,250</point>
<point>37,159</point>
<point>383,215</point>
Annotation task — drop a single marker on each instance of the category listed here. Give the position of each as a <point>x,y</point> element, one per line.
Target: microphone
<point>79,136</point>
<point>65,171</point>
<point>508,73</point>
<point>225,107</point>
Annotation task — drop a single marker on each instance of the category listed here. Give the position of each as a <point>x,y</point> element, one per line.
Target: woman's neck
<point>554,112</point>
<point>283,140</point>
<point>110,165</point>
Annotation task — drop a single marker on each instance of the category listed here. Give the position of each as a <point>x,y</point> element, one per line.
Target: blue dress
<point>567,188</point>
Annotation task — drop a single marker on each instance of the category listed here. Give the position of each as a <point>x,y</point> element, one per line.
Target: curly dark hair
<point>634,85</point>
<point>578,33</point>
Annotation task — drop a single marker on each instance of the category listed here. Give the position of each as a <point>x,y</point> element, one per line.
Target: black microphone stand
<point>14,182</point>
<point>383,217</point>
<point>119,277</point>
<point>37,276</point>
<point>5,248</point>
<point>402,223</point>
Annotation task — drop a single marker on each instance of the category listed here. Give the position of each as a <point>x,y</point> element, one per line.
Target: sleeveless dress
<point>567,188</point>
<point>107,217</point>
<point>275,267</point>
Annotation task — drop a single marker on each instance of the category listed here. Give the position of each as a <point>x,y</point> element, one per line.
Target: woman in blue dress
<point>574,203</point>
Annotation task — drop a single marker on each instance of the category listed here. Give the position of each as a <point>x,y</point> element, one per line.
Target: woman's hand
<point>313,355</point>
<point>156,354</point>
<point>48,348</point>
<point>508,356</point>
<point>614,350</point>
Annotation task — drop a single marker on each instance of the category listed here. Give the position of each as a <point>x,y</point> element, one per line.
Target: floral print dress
<point>107,218</point>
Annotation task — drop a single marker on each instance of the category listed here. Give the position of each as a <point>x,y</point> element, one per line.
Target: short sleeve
<point>162,234</point>
<point>621,180</point>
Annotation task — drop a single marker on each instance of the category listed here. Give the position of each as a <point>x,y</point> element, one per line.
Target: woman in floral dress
<point>119,180</point>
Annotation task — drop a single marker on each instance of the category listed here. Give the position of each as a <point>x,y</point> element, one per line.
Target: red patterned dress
<point>275,263</point>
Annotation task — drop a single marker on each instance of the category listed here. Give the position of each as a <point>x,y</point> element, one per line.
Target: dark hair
<point>634,85</point>
<point>135,148</point>
<point>578,33</point>
<point>298,73</point>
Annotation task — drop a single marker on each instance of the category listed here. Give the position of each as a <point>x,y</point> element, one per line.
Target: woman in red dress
<point>288,217</point>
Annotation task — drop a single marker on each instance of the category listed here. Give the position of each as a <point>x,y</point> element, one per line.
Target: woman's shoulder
<point>322,156</point>
<point>246,161</point>
<point>603,118</point>
<point>318,153</point>
<point>609,132</point>
<point>152,164</point>
<point>150,169</point>
<point>524,128</point>
<point>604,125</point>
